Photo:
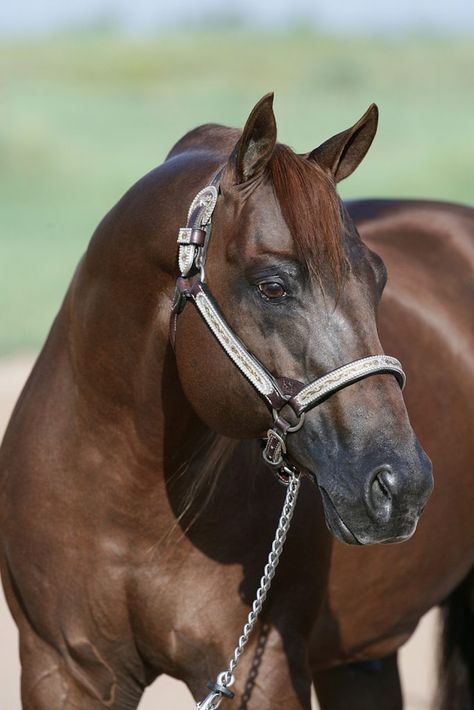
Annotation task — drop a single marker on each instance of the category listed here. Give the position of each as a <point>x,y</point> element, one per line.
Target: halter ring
<point>296,426</point>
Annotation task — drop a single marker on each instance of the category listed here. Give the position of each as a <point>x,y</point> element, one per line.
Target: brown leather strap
<point>181,295</point>
<point>323,387</point>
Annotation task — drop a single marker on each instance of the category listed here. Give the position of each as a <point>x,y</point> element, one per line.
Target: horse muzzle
<point>385,509</point>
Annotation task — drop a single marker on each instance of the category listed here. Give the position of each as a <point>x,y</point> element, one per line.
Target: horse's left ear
<point>256,144</point>
<point>342,153</point>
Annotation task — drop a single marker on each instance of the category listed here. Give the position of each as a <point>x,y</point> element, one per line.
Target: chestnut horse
<point>135,511</point>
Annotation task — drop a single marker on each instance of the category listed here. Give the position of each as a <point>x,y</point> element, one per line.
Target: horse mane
<point>312,211</point>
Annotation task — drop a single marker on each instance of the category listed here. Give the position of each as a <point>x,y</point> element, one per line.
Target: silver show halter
<point>278,392</point>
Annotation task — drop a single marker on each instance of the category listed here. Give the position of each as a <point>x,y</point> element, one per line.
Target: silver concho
<point>205,199</point>
<point>186,256</point>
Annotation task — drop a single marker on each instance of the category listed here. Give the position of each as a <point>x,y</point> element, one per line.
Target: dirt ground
<point>417,656</point>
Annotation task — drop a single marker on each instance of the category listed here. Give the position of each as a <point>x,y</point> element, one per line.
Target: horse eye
<point>271,289</point>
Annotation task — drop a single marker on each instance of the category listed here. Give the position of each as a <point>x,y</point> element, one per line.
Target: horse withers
<point>135,511</point>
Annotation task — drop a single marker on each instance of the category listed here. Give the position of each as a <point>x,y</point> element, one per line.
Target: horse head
<point>293,279</point>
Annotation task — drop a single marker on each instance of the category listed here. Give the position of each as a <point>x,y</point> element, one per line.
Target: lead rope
<point>219,689</point>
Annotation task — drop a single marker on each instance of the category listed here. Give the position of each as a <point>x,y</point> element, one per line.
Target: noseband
<point>277,392</point>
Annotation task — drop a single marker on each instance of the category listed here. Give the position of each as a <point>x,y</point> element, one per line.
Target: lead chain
<point>226,678</point>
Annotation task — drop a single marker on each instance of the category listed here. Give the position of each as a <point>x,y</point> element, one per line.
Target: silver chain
<point>226,678</point>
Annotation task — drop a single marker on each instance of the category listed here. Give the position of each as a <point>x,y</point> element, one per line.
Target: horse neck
<point>132,400</point>
<point>149,448</point>
<point>118,309</point>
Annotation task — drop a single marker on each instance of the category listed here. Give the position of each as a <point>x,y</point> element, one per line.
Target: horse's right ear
<point>341,154</point>
<point>255,147</point>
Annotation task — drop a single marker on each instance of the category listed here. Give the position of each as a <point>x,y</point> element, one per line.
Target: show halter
<point>277,392</point>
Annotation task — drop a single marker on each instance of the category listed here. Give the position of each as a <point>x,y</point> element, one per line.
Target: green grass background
<point>82,116</point>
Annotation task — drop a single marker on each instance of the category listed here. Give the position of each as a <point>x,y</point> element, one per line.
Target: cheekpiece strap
<point>192,239</point>
<point>257,375</point>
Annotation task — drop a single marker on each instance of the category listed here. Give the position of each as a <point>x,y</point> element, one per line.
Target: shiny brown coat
<point>109,581</point>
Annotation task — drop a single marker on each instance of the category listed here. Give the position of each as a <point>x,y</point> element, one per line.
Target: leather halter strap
<point>277,392</point>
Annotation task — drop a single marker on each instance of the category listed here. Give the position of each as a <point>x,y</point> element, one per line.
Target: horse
<point>136,510</point>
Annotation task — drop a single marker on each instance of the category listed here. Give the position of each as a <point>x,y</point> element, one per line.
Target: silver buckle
<point>184,235</point>
<point>273,452</point>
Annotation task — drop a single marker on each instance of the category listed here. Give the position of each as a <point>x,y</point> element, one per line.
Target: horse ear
<point>256,144</point>
<point>342,153</point>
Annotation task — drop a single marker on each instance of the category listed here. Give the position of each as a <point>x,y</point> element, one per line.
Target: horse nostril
<point>379,492</point>
<point>383,482</point>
